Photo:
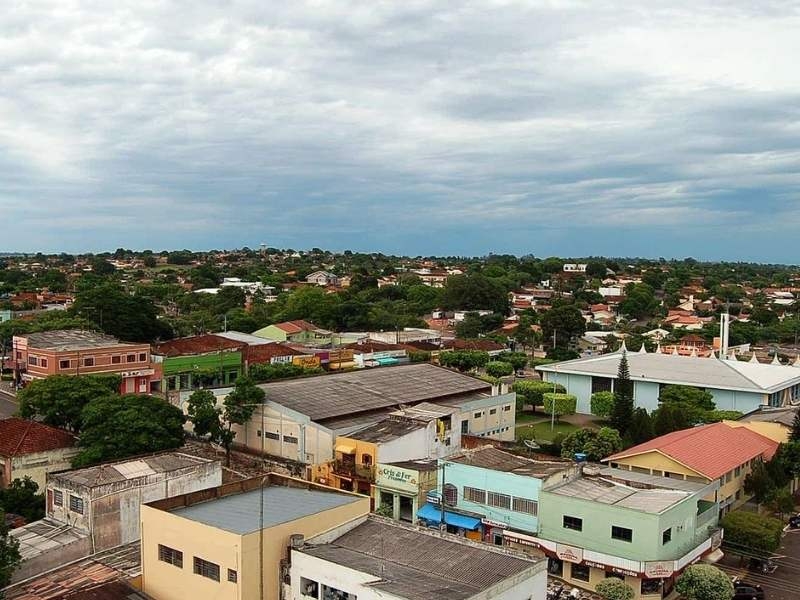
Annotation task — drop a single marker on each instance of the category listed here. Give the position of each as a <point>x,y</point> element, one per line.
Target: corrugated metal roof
<point>686,370</point>
<point>329,396</point>
<point>439,566</point>
<point>130,469</point>
<point>597,490</point>
<point>240,513</point>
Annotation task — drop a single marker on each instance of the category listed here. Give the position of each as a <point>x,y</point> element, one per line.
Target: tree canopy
<point>612,588</point>
<point>751,533</point>
<point>704,582</point>
<point>622,412</point>
<point>120,426</point>
<point>9,554</point>
<point>22,498</point>
<point>474,291</point>
<point>597,444</point>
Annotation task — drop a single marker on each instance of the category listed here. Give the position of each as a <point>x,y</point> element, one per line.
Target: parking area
<point>784,583</point>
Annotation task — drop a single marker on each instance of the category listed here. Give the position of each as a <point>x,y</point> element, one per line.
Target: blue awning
<point>432,513</point>
<point>387,361</point>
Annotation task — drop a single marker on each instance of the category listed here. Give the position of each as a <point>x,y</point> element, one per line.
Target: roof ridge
<point>738,372</point>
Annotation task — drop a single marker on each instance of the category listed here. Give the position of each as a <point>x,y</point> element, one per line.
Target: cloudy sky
<point>560,127</point>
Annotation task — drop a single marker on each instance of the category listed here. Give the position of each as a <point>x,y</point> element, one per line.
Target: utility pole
<point>553,404</point>
<point>442,499</point>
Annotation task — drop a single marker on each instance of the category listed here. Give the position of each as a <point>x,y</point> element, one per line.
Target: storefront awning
<point>346,448</point>
<point>433,514</point>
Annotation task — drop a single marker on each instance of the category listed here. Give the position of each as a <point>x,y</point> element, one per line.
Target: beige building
<point>31,449</point>
<point>229,542</point>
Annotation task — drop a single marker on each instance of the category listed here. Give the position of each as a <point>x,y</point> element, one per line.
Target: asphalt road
<point>8,406</point>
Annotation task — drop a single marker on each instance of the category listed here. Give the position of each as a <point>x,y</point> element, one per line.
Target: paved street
<point>8,406</point>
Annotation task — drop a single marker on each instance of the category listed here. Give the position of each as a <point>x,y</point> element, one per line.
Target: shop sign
<point>659,569</point>
<point>139,373</point>
<point>569,553</point>
<point>491,523</point>
<point>617,570</point>
<point>307,362</point>
<point>395,477</point>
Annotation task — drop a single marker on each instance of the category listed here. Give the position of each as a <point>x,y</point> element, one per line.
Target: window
<point>446,441</point>
<point>170,555</point>
<point>171,383</point>
<point>366,459</point>
<point>478,415</point>
<point>476,495</point>
<point>622,533</point>
<point>573,523</point>
<point>290,439</point>
<point>58,497</point>
<point>33,360</point>
<point>143,358</point>
<point>465,427</point>
<point>258,433</point>
<point>450,494</point>
<point>580,572</point>
<point>116,359</point>
<point>206,569</point>
<point>43,362</point>
<point>524,505</point>
<point>233,576</point>
<point>493,411</point>
<point>507,408</point>
<point>63,364</point>
<point>601,384</point>
<point>76,504</point>
<point>651,586</point>
<point>666,536</point>
<point>130,358</point>
<point>738,494</point>
<point>309,587</point>
<point>272,436</point>
<point>737,471</point>
<point>499,500</point>
<point>88,361</point>
<point>728,476</point>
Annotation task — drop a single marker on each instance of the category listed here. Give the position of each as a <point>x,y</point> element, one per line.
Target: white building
<point>377,559</point>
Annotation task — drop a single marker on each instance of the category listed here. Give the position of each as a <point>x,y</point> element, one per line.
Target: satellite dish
<point>531,444</point>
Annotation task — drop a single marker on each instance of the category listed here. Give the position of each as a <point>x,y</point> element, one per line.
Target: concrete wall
<point>241,553</point>
<point>111,512</point>
<point>38,465</point>
<point>62,554</point>
<point>420,444</point>
<point>527,585</point>
<point>461,475</point>
<point>498,425</point>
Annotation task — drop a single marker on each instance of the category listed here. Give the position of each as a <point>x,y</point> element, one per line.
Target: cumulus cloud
<point>551,126</point>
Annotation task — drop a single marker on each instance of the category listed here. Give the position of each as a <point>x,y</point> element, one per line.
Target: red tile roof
<point>264,353</point>
<point>296,326</point>
<point>20,436</point>
<point>711,450</point>
<point>197,344</point>
<point>459,344</point>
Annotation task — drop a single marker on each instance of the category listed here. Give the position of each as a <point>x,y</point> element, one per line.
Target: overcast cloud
<point>550,127</point>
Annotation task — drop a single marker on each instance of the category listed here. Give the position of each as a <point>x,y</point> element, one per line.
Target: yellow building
<point>775,423</point>
<point>702,454</point>
<point>228,542</point>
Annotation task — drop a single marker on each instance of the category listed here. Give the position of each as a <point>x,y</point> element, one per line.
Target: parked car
<point>747,591</point>
<point>794,522</point>
<point>762,565</point>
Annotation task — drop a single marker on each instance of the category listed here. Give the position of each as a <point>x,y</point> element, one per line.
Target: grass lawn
<point>529,417</point>
<point>540,431</point>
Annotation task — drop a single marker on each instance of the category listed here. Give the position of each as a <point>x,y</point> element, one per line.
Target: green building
<point>199,361</point>
<point>607,522</point>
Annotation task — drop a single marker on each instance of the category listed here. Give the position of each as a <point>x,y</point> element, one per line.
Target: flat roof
<point>783,416</point>
<point>613,494</point>
<point>685,370</point>
<point>489,457</point>
<point>247,338</point>
<point>412,563</point>
<point>240,513</point>
<point>388,429</point>
<point>45,535</point>
<point>427,464</point>
<point>129,469</point>
<point>655,481</point>
<point>71,339</point>
<point>329,396</point>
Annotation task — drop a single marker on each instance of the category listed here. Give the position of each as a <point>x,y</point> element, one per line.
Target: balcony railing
<point>706,512</point>
<point>362,471</point>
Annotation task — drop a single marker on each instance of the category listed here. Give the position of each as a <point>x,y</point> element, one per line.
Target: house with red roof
<point>31,449</point>
<point>297,332</point>
<point>702,454</point>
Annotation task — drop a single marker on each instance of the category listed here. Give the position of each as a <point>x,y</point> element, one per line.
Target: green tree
<point>498,368</point>
<point>751,533</point>
<point>59,400</point>
<point>565,321</point>
<point>694,402</point>
<point>622,412</point>
<point>464,360</point>
<point>117,313</point>
<point>795,433</point>
<point>237,409</point>
<point>668,418</point>
<point>102,267</point>
<point>531,391</point>
<point>204,414</point>
<point>518,360</point>
<point>614,589</point>
<point>9,554</point>
<point>597,444</point>
<point>474,292</point>
<point>759,484</point>
<point>602,403</point>
<point>641,429</point>
<point>704,582</point>
<point>21,498</point>
<point>116,427</point>
<point>639,302</point>
<point>559,404</point>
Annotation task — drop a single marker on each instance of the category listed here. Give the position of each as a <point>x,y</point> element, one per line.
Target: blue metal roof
<point>432,513</point>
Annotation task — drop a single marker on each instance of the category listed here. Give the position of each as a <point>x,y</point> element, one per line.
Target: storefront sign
<point>397,478</point>
<point>139,373</point>
<point>307,362</point>
<point>491,523</point>
<point>569,553</point>
<point>659,569</point>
